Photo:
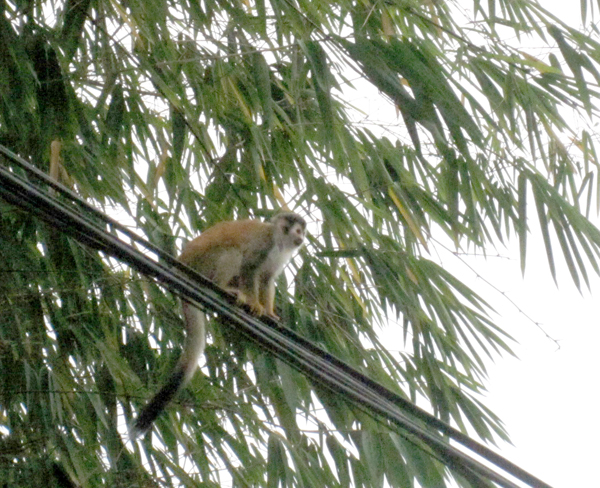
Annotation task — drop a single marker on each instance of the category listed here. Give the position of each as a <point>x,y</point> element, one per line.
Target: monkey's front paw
<point>272,315</point>
<point>240,298</point>
<point>256,308</point>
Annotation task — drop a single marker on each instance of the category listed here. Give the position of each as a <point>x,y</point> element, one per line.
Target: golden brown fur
<point>244,257</point>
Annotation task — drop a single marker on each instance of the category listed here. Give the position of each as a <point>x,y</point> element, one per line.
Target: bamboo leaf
<point>407,217</point>
<point>543,220</point>
<point>522,219</point>
<point>320,71</point>
<point>261,73</point>
<point>573,59</point>
<point>179,132</point>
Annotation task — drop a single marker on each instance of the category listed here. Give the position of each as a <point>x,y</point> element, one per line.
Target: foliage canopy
<point>176,115</point>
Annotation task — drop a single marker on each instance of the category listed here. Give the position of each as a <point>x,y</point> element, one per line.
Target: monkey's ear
<point>282,226</point>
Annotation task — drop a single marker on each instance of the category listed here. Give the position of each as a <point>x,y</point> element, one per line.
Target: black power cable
<point>285,344</point>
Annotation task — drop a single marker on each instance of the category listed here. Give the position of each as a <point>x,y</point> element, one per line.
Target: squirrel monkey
<point>244,257</point>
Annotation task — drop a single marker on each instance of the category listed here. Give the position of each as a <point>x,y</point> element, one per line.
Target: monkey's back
<point>218,252</point>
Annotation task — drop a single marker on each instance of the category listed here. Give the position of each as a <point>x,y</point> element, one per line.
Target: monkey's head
<point>291,227</point>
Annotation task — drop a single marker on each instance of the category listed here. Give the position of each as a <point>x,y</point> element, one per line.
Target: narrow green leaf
<point>340,457</point>
<point>115,114</point>
<point>573,59</point>
<point>276,462</point>
<point>262,80</point>
<point>179,128</point>
<point>543,220</point>
<point>567,253</point>
<point>521,223</point>
<point>322,85</point>
<point>75,14</point>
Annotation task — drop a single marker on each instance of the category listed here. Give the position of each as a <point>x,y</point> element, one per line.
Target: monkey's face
<point>292,228</point>
<point>296,234</point>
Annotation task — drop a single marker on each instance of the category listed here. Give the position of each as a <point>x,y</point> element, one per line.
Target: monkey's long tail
<point>193,348</point>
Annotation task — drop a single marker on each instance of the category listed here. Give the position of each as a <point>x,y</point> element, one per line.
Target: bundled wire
<point>88,226</point>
